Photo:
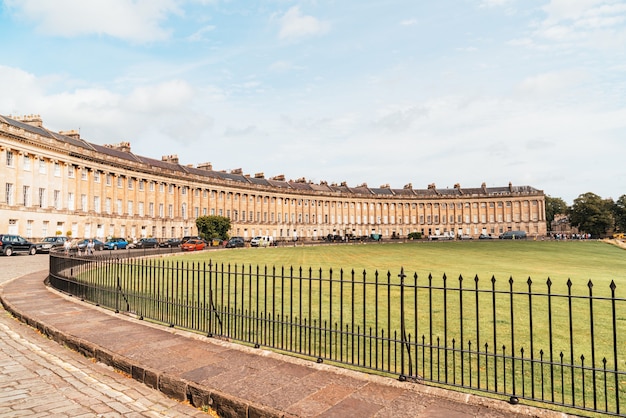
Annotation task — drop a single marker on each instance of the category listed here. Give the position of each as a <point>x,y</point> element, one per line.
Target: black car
<point>49,243</point>
<point>170,243</point>
<point>10,244</point>
<point>147,243</point>
<point>235,242</point>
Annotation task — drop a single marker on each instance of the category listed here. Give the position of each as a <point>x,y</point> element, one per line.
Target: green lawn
<point>579,261</point>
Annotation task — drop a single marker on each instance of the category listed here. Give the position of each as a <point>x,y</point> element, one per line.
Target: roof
<point>299,185</point>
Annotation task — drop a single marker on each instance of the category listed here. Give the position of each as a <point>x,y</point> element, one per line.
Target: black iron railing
<point>560,344</point>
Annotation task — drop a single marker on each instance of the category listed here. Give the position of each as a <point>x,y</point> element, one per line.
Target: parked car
<point>97,244</point>
<point>262,241</point>
<point>187,238</point>
<point>235,242</point>
<point>147,243</point>
<point>170,243</point>
<point>513,235</point>
<point>115,244</point>
<point>49,243</point>
<point>193,245</point>
<point>10,244</point>
<point>486,236</point>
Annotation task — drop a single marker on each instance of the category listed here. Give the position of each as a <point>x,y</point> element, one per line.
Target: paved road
<point>40,378</point>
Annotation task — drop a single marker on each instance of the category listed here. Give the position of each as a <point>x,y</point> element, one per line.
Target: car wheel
<point>32,251</point>
<point>114,247</point>
<point>8,251</point>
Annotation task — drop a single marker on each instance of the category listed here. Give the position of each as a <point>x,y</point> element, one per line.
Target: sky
<point>531,92</point>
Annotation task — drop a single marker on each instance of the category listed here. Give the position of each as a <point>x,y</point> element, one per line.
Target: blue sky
<point>363,91</point>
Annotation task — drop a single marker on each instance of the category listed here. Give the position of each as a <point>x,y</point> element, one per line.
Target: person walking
<point>90,247</point>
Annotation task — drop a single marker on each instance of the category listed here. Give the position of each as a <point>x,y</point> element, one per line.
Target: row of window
<point>249,216</point>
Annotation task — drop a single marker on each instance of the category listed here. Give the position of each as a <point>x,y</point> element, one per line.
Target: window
<point>129,206</point>
<point>57,169</point>
<point>131,184</point>
<point>10,160</point>
<point>107,205</point>
<point>96,177</point>
<point>83,202</point>
<point>70,201</point>
<point>120,210</point>
<point>57,199</point>
<point>96,204</point>
<point>26,163</point>
<point>109,179</point>
<point>120,182</point>
<point>70,171</point>
<point>42,198</point>
<point>26,195</point>
<point>42,166</point>
<point>140,208</point>
<point>161,211</point>
<point>9,193</point>
<point>83,174</point>
<point>141,185</point>
<point>170,211</point>
<point>151,187</point>
<point>151,208</point>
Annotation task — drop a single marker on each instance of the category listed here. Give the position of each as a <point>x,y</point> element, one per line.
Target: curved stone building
<point>57,183</point>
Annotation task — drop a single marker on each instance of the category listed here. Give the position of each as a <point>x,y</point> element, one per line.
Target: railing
<point>561,345</point>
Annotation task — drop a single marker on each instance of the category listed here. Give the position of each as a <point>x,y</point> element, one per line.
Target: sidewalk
<point>234,380</point>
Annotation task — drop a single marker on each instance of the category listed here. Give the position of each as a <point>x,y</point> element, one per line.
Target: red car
<point>193,245</point>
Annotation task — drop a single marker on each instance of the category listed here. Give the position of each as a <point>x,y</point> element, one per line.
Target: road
<point>38,377</point>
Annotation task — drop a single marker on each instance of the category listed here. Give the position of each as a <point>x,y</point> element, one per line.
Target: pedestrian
<point>90,247</point>
<point>66,247</point>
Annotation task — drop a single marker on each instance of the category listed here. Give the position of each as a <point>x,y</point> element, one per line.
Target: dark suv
<point>10,244</point>
<point>147,243</point>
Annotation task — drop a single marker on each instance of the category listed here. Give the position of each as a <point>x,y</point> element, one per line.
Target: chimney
<point>259,175</point>
<point>206,166</point>
<point>170,158</point>
<point>71,134</point>
<point>32,120</point>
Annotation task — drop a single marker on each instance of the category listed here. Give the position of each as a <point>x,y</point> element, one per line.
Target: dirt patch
<point>616,242</point>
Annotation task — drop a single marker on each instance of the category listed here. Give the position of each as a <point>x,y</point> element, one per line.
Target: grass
<point>579,261</point>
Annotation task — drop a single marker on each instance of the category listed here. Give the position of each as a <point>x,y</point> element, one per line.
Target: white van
<point>262,241</point>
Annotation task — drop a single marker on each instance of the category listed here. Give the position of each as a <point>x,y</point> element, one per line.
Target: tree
<point>211,227</point>
<point>554,206</point>
<point>592,214</point>
<point>620,213</point>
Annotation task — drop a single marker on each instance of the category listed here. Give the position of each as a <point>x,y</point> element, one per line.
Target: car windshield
<point>49,239</point>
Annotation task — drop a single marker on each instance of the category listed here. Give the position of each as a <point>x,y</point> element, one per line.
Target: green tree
<point>554,206</point>
<point>592,214</point>
<point>620,213</point>
<point>213,227</point>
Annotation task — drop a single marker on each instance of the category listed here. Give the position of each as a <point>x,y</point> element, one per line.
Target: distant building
<point>58,183</point>
<point>561,225</point>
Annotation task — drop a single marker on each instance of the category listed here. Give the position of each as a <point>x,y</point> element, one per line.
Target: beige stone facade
<point>57,183</point>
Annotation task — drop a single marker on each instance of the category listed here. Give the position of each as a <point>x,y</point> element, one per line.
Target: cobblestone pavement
<point>40,378</point>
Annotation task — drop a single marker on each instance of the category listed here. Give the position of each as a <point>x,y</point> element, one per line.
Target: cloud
<point>199,35</point>
<point>294,25</point>
<point>409,22</point>
<point>136,21</point>
<point>584,23</point>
